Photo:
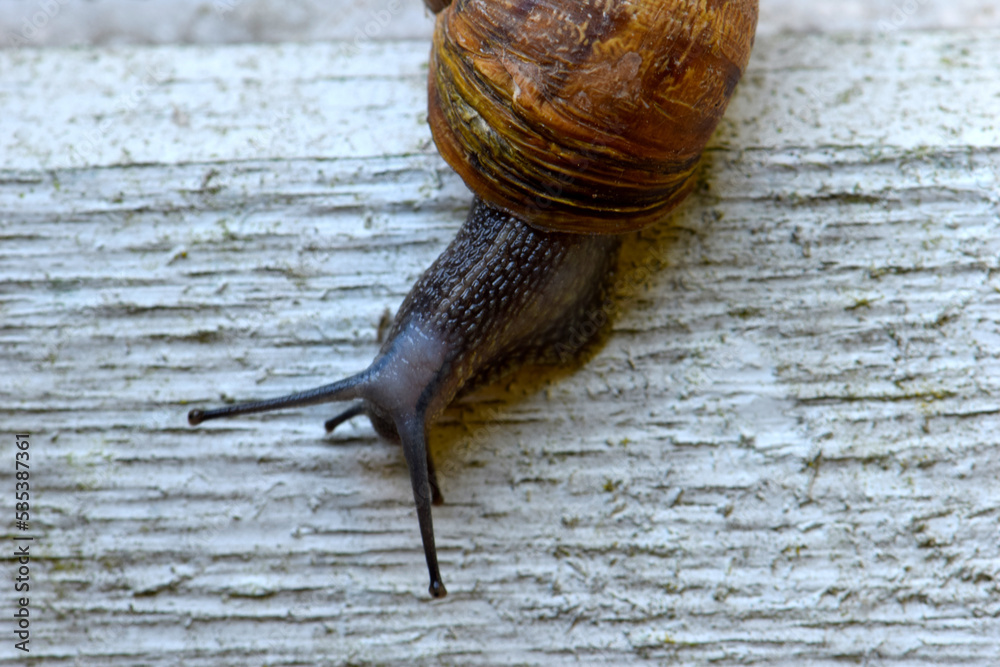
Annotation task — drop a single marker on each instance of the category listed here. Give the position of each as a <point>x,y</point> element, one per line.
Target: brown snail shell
<point>585,116</point>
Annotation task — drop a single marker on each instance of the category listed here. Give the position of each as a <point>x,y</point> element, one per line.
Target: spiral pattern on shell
<point>584,115</point>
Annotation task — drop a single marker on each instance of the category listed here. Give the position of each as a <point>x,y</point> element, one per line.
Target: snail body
<point>572,122</point>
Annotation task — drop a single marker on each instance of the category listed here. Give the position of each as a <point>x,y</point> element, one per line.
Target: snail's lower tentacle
<point>349,413</point>
<point>413,435</point>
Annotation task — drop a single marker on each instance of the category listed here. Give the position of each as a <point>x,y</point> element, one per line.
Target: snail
<point>573,122</point>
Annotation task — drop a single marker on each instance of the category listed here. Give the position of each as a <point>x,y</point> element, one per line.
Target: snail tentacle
<point>346,415</point>
<point>413,435</point>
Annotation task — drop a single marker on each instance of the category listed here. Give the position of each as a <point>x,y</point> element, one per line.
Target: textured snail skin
<point>585,115</point>
<point>571,120</point>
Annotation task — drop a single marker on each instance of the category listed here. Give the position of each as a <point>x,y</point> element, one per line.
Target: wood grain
<point>786,453</point>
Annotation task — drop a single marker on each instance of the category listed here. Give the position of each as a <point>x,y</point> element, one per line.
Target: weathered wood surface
<point>787,452</point>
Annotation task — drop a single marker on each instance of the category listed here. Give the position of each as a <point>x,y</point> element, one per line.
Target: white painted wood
<point>787,452</point>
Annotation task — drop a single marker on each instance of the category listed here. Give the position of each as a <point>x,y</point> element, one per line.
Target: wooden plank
<point>786,453</point>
